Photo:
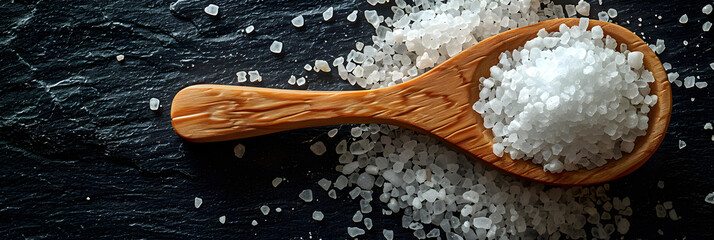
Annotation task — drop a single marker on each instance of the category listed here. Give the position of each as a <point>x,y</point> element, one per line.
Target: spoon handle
<point>207,113</point>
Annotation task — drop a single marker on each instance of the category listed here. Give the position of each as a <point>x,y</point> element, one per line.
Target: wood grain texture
<point>437,103</point>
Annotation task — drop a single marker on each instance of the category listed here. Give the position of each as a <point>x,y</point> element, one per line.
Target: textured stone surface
<point>76,123</point>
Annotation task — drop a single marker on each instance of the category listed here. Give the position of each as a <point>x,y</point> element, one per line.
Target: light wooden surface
<point>437,103</point>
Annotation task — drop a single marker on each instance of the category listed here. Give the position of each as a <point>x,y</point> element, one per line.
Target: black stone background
<point>76,123</point>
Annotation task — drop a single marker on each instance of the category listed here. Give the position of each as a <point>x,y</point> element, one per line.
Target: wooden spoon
<point>437,103</point>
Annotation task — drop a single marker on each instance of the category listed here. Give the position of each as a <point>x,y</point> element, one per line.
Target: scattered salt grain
<point>389,234</point>
<point>298,21</point>
<point>317,215</point>
<point>710,197</point>
<point>708,126</point>
<point>222,219</point>
<point>583,8</point>
<point>278,209</point>
<point>211,9</point>
<point>255,76</point>
<point>277,181</point>
<point>683,19</point>
<point>689,82</point>
<point>265,209</point>
<point>332,194</point>
<point>154,104</point>
<point>307,67</point>
<point>603,16</point>
<point>318,148</point>
<point>368,223</point>
<point>332,132</point>
<point>570,10</point>
<point>300,81</point>
<point>355,231</point>
<point>239,150</point>
<point>707,25</point>
<point>357,217</point>
<point>327,14</point>
<point>707,9</point>
<point>612,13</point>
<point>241,76</point>
<point>660,184</point>
<point>324,184</point>
<point>701,84</point>
<point>682,144</point>
<point>276,47</point>
<point>254,223</point>
<point>711,65</point>
<point>306,195</point>
<point>249,29</point>
<point>291,80</point>
<point>120,57</point>
<point>197,202</point>
<point>321,65</point>
<point>353,16</point>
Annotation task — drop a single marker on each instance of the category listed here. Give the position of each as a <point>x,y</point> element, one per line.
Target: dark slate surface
<point>75,122</point>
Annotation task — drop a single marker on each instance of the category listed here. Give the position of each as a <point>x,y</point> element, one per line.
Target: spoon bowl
<point>437,103</point>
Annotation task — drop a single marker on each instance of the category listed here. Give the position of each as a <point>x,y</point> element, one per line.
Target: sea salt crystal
<point>707,9</point>
<point>197,202</point>
<point>249,29</point>
<point>327,14</point>
<point>682,144</point>
<point>355,231</point>
<point>211,9</point>
<point>482,222</point>
<point>306,195</point>
<point>332,194</point>
<point>332,132</point>
<point>241,76</point>
<point>324,184</point>
<point>120,57</point>
<point>277,181</point>
<point>291,80</point>
<point>706,26</point>
<point>660,184</point>
<point>352,17</point>
<point>276,47</point>
<point>308,67</point>
<point>321,65</point>
<point>300,81</point>
<point>222,219</point>
<point>254,76</point>
<point>154,104</point>
<point>389,234</point>
<point>318,148</point>
<point>317,215</point>
<point>357,217</point>
<point>683,19</point>
<point>710,197</point>
<point>603,16</point>
<point>265,209</point>
<point>239,150</point>
<point>612,13</point>
<point>701,84</point>
<point>298,21</point>
<point>278,209</point>
<point>689,82</point>
<point>583,8</point>
<point>254,223</point>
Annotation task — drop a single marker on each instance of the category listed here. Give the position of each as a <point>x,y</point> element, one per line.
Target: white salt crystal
<point>278,209</point>
<point>211,9</point>
<point>389,234</point>
<point>706,26</point>
<point>300,81</point>
<point>332,132</point>
<point>700,84</point>
<point>709,198</point>
<point>583,8</point>
<point>254,76</point>
<point>154,104</point>
<point>321,65</point>
<point>120,57</point>
<point>682,144</point>
<point>327,14</point>
<point>277,181</point>
<point>570,9</point>
<point>324,184</point>
<point>660,184</point>
<point>264,209</point>
<point>355,231</point>
<point>254,223</point>
<point>306,195</point>
<point>307,67</point>
<point>317,215</point>
<point>711,65</point>
<point>197,202</point>
<point>612,13</point>
<point>689,82</point>
<point>318,148</point>
<point>635,59</point>
<point>603,16</point>
<point>708,126</point>
<point>291,80</point>
<point>368,223</point>
<point>249,29</point>
<point>332,194</point>
<point>683,19</point>
<point>707,9</point>
<point>222,219</point>
<point>357,217</point>
<point>239,150</point>
<point>353,16</point>
<point>276,47</point>
<point>482,222</point>
<point>242,76</point>
<point>298,21</point>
